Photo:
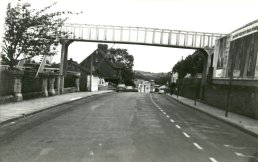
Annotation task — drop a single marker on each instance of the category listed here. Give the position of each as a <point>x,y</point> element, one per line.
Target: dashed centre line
<point>198,146</point>
<point>213,159</point>
<point>186,135</point>
<point>172,120</point>
<point>76,98</point>
<point>178,126</point>
<point>167,116</point>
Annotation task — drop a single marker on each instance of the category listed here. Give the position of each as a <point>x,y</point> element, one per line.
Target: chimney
<point>103,47</point>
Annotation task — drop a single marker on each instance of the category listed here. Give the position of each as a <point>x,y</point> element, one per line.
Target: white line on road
<point>186,135</point>
<point>178,126</point>
<point>76,98</point>
<point>242,155</point>
<point>167,116</point>
<point>198,146</point>
<point>164,113</point>
<point>172,120</point>
<point>213,159</point>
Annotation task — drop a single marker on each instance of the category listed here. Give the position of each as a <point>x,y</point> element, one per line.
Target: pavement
<point>244,123</point>
<point>13,111</point>
<point>16,110</point>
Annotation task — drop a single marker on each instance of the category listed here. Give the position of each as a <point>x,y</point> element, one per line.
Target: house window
<point>96,60</point>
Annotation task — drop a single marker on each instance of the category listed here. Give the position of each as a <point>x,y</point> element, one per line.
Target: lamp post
<point>91,64</point>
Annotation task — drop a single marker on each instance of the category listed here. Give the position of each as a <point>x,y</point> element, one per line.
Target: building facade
<point>101,63</point>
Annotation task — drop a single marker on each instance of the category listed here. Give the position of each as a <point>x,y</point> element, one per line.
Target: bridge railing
<point>140,35</point>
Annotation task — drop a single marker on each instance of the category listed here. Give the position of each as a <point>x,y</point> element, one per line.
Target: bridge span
<point>140,35</point>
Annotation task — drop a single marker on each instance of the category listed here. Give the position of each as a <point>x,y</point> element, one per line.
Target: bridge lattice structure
<point>140,35</point>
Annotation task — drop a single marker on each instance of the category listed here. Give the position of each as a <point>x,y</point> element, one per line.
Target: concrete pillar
<point>17,89</point>
<point>77,81</point>
<point>51,89</point>
<point>60,84</point>
<point>62,72</point>
<point>44,86</point>
<point>207,64</point>
<point>77,84</point>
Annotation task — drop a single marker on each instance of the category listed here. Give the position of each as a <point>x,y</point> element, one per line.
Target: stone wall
<point>189,87</point>
<point>243,99</point>
<point>7,82</point>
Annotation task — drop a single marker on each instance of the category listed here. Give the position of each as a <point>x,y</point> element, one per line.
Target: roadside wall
<point>189,87</point>
<point>6,86</point>
<point>243,99</point>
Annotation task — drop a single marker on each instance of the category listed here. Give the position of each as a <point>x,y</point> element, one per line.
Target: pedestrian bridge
<point>140,35</point>
<point>135,35</point>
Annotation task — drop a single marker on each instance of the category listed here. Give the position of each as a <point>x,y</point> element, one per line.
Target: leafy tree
<point>122,56</point>
<point>192,64</point>
<point>29,32</point>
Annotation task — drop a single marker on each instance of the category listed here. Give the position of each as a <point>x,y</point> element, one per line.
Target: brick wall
<point>189,87</point>
<point>6,86</point>
<point>243,99</point>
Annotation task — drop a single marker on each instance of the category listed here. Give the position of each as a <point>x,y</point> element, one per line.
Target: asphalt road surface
<point>124,127</point>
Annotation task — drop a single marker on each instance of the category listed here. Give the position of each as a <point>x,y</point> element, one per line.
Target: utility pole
<point>91,64</point>
<point>231,70</point>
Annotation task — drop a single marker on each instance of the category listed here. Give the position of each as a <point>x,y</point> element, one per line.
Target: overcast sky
<point>218,16</point>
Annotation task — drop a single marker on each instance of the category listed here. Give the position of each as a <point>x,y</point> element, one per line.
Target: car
<point>161,91</point>
<point>121,88</point>
<point>129,89</point>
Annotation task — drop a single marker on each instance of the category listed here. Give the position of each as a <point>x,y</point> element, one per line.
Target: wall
<point>31,86</point>
<point>189,87</point>
<point>95,81</point>
<point>243,99</point>
<point>6,86</point>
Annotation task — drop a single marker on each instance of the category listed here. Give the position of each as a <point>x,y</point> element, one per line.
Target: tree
<point>29,32</point>
<point>123,57</point>
<point>191,65</point>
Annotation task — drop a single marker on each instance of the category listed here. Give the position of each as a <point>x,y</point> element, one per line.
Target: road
<point>124,127</point>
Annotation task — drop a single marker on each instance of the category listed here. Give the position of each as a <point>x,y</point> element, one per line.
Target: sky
<point>216,16</point>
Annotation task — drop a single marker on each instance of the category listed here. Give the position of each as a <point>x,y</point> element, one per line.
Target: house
<point>102,64</point>
<point>142,85</point>
<point>85,77</point>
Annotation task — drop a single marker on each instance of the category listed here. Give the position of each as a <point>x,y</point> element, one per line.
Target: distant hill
<point>147,75</point>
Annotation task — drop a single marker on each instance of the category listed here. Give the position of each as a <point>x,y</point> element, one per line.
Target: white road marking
<point>178,126</point>
<point>186,135</point>
<point>198,146</point>
<point>91,153</point>
<point>167,116</point>
<point>96,106</point>
<point>242,155</point>
<point>172,120</point>
<point>235,147</point>
<point>76,98</point>
<point>213,159</point>
<point>164,113</point>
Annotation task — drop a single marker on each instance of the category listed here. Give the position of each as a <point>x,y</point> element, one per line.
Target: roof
<point>107,59</point>
<point>84,69</point>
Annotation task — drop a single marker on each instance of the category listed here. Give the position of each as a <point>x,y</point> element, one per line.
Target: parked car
<point>161,91</point>
<point>129,89</point>
<point>121,88</point>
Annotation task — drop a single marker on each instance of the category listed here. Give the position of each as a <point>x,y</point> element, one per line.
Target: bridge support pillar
<point>63,62</point>
<point>206,66</point>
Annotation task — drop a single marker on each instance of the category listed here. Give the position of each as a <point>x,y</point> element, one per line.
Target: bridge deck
<point>140,35</point>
